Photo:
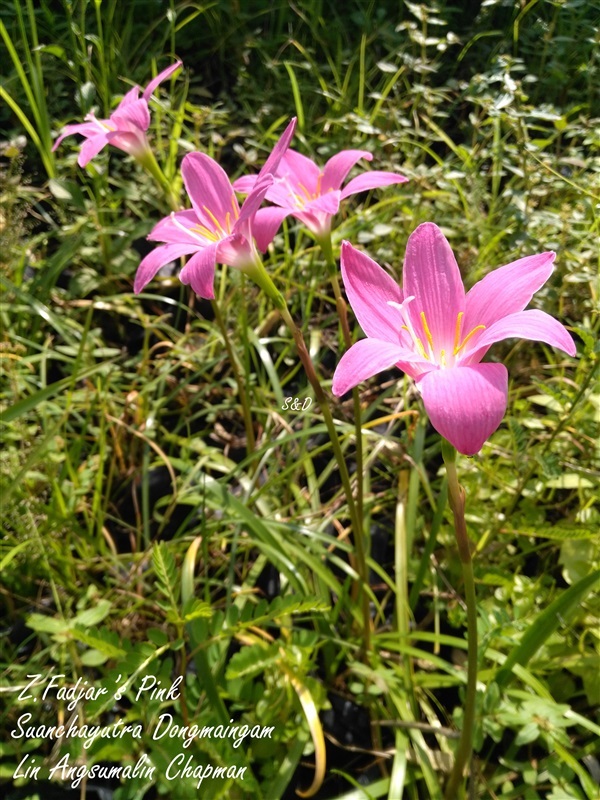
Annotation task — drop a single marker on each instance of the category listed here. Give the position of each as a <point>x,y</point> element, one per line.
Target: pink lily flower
<point>313,195</point>
<point>215,229</point>
<point>438,335</point>
<point>126,127</point>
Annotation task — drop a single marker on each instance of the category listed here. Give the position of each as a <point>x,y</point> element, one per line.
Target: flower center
<point>103,124</point>
<point>425,345</point>
<point>304,196</point>
<point>214,234</point>
<point>458,345</point>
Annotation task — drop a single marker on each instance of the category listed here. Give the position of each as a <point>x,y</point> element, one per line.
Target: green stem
<point>150,164</point>
<point>241,383</point>
<point>456,499</point>
<point>327,248</point>
<point>258,274</point>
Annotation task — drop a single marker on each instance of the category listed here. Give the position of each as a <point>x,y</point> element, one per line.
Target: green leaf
<point>544,626</point>
<point>252,661</point>
<point>578,558</point>
<point>166,573</point>
<point>561,531</point>
<point>528,733</point>
<point>196,609</point>
<point>93,616</point>
<point>44,624</point>
<point>29,403</point>
<point>67,192</point>
<point>104,642</point>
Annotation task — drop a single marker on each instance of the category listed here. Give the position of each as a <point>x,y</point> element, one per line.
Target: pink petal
<point>266,224</point>
<point>337,168</point>
<point>318,224</point>
<point>86,129</point>
<point>369,289</point>
<point>174,230</point>
<point>432,276</point>
<point>199,272</point>
<point>134,116</point>
<point>371,180</point>
<point>162,76</point>
<point>466,404</point>
<point>252,203</point>
<point>245,184</point>
<point>132,96</point>
<point>299,169</point>
<point>364,359</point>
<point>209,190</point>
<point>236,251</point>
<point>91,147</point>
<point>506,290</point>
<point>325,204</point>
<point>286,193</point>
<point>152,263</point>
<point>272,163</point>
<point>533,324</point>
<point>135,144</point>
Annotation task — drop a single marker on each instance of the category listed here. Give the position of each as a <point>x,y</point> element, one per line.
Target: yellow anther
<point>457,330</point>
<point>443,358</point>
<point>300,201</point>
<point>428,335</point>
<point>212,236</point>
<point>234,207</point>
<point>228,222</point>
<point>305,192</point>
<point>213,219</point>
<point>466,339</point>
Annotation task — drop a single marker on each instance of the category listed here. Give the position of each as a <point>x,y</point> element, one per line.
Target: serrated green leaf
<point>99,640</point>
<point>282,606</point>
<point>196,609</point>
<point>252,660</point>
<point>166,574</point>
<point>560,531</point>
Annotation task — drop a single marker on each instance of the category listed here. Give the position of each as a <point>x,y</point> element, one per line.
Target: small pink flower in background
<point>438,335</point>
<point>313,195</point>
<point>126,127</point>
<point>215,229</point>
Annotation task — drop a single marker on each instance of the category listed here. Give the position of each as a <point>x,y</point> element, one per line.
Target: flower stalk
<point>148,161</point>
<point>266,284</point>
<point>456,500</point>
<point>342,309</point>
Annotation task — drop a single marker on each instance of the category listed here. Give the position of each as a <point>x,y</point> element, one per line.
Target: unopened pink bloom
<point>313,195</point>
<point>125,128</point>
<point>215,229</point>
<point>438,335</point>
